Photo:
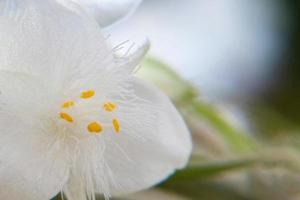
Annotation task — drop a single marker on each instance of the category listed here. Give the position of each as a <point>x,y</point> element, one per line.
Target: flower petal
<point>173,131</point>
<point>107,12</point>
<point>28,148</point>
<point>152,144</point>
<point>14,187</point>
<point>47,39</point>
<point>166,147</point>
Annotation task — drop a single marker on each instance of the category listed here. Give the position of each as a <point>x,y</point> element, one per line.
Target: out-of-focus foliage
<point>277,110</point>
<point>227,163</point>
<point>186,97</point>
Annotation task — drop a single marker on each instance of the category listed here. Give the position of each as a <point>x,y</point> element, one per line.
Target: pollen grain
<point>87,94</point>
<point>66,117</point>
<point>116,125</point>
<point>68,104</point>
<point>109,106</point>
<point>94,128</point>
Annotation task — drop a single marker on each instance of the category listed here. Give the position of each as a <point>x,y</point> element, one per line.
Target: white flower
<point>73,117</point>
<point>106,12</point>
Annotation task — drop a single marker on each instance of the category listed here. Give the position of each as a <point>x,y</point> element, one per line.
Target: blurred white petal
<point>106,12</point>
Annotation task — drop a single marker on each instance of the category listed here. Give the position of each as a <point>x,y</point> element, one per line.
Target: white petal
<point>27,148</point>
<point>14,187</point>
<point>131,62</point>
<point>166,147</point>
<point>173,130</point>
<point>154,141</point>
<point>107,12</point>
<point>47,39</point>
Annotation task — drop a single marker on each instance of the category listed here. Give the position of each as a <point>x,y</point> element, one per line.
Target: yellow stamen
<point>68,104</point>
<point>94,127</point>
<point>116,125</point>
<point>109,106</point>
<point>87,94</point>
<point>66,117</point>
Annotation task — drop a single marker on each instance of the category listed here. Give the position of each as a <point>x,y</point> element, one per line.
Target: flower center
<point>93,127</point>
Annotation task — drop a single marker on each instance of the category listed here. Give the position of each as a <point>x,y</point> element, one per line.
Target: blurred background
<point>232,69</point>
<point>230,49</point>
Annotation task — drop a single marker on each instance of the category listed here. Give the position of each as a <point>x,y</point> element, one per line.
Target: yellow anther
<point>87,94</point>
<point>116,125</point>
<point>109,106</point>
<point>68,104</point>
<point>66,117</point>
<point>94,127</point>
